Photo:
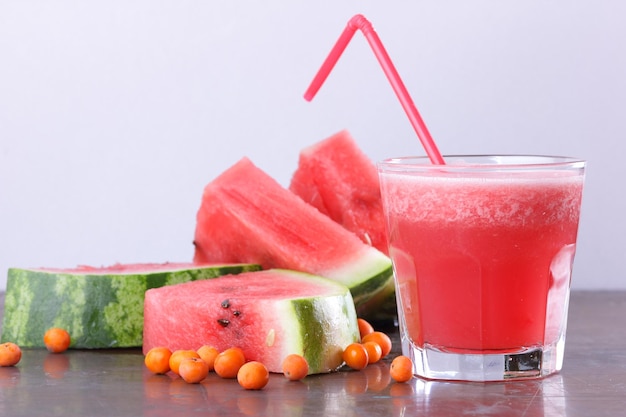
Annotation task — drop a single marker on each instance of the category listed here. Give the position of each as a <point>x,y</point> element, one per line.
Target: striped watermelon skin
<point>99,307</point>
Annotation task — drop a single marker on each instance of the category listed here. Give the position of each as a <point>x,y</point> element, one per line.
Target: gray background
<point>115,114</point>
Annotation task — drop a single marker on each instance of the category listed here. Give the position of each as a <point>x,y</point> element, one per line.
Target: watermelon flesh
<point>337,178</point>
<point>246,216</point>
<point>268,314</point>
<point>101,307</point>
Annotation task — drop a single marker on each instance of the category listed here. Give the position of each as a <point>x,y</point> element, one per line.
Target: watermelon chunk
<point>246,216</point>
<point>268,314</point>
<point>336,177</point>
<point>99,307</point>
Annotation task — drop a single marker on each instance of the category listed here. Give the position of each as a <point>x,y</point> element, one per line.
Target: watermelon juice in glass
<point>482,249</point>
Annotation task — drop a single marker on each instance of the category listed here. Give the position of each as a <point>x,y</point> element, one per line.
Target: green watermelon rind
<point>326,324</point>
<point>374,265</point>
<point>381,308</point>
<point>99,310</point>
<point>322,345</point>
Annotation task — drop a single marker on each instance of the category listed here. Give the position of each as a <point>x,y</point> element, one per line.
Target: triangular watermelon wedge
<point>246,216</point>
<point>336,177</point>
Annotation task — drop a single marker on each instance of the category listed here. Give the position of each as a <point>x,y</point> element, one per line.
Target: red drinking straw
<point>360,22</point>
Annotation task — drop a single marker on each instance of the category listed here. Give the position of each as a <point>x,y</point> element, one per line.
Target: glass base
<point>535,362</point>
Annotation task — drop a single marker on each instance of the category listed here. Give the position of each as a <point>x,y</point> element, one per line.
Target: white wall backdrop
<point>115,114</point>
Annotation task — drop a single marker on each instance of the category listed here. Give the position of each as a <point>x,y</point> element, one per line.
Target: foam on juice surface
<point>481,201</point>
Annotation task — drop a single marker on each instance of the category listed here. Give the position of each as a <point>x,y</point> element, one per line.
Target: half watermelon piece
<point>246,216</point>
<point>101,307</point>
<point>269,314</point>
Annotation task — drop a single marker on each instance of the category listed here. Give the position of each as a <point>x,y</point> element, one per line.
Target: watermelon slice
<point>268,314</point>
<point>337,178</point>
<point>99,307</point>
<point>246,216</point>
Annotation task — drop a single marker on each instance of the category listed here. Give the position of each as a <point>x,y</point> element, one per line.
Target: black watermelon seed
<point>223,322</point>
<point>226,303</point>
<point>236,313</point>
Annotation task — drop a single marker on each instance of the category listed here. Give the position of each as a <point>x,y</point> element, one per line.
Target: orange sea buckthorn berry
<point>253,375</point>
<point>10,354</point>
<point>193,370</point>
<point>365,327</point>
<point>295,367</point>
<point>157,360</point>
<point>401,369</point>
<point>374,351</point>
<point>208,354</point>
<point>178,356</point>
<point>56,340</point>
<point>355,356</point>
<point>382,339</point>
<point>228,362</point>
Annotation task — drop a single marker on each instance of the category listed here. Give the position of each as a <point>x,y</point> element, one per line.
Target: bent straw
<point>360,22</point>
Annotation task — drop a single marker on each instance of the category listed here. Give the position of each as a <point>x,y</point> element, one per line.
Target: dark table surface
<point>116,383</point>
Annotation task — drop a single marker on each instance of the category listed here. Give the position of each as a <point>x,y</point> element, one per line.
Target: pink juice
<point>482,261</point>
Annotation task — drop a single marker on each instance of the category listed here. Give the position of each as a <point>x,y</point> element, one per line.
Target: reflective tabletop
<point>116,383</point>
